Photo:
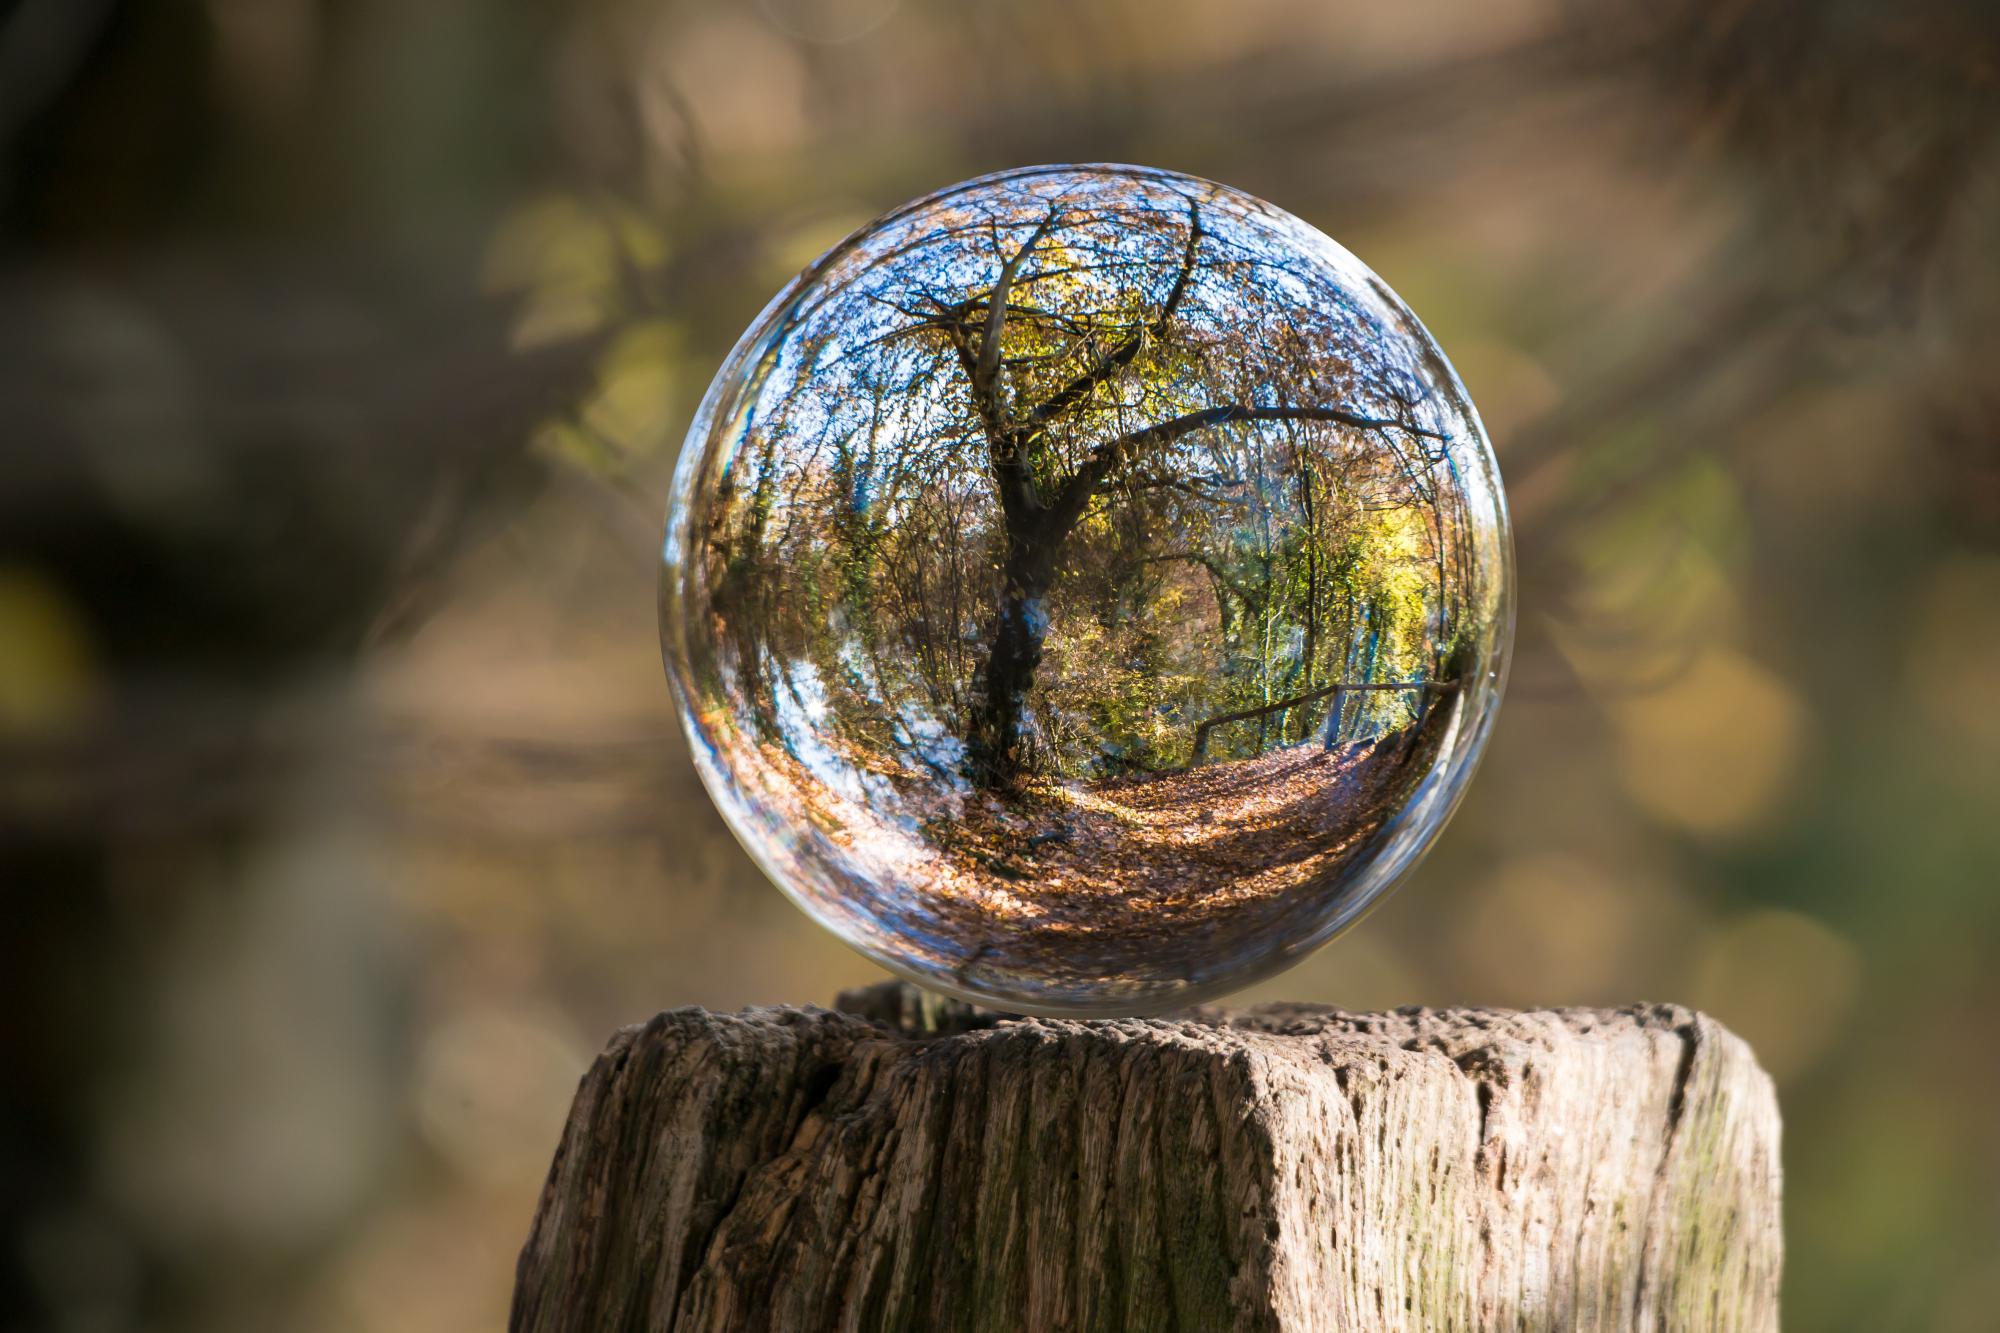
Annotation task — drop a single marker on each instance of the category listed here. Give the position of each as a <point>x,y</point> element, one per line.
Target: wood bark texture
<point>913,1163</point>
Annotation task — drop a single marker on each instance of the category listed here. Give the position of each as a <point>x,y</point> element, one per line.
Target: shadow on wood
<point>916,1163</point>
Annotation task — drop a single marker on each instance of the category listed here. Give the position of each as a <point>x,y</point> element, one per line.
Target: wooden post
<point>918,1164</point>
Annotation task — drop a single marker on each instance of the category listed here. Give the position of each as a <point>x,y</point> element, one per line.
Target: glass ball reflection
<point>1087,589</point>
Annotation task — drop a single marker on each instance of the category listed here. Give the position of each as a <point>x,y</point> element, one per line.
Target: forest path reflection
<point>1072,883</point>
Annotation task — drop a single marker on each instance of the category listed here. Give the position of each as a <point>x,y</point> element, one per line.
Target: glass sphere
<point>1087,589</point>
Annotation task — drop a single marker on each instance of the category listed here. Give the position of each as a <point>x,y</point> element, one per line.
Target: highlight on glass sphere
<point>1087,589</point>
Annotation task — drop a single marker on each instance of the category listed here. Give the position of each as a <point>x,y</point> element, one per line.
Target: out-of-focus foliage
<point>346,349</point>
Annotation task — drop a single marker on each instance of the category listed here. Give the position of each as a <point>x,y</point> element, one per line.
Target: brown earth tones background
<point>345,348</point>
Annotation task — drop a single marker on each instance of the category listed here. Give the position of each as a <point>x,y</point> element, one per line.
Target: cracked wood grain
<point>916,1163</point>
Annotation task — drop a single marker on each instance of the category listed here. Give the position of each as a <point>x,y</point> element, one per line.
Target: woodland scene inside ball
<point>1087,589</point>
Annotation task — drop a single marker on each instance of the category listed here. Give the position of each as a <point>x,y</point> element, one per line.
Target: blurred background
<point>345,349</point>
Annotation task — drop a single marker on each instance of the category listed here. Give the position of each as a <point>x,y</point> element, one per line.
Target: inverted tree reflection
<point>1051,473</point>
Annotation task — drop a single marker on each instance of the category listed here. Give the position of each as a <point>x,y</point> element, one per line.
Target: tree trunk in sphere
<point>920,1164</point>
<point>1022,623</point>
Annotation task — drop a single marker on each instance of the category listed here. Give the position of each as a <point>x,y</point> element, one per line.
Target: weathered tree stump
<point>918,1164</point>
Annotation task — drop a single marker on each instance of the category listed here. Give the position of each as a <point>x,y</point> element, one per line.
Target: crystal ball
<point>1087,589</point>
